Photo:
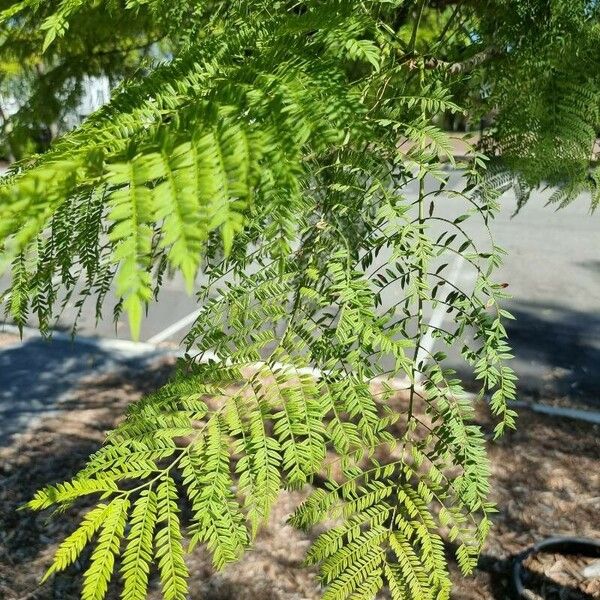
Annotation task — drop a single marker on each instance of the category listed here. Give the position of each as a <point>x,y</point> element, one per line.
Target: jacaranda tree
<point>281,155</point>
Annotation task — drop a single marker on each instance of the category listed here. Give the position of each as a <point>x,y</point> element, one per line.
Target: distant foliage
<point>286,151</point>
<point>544,88</point>
<point>48,60</point>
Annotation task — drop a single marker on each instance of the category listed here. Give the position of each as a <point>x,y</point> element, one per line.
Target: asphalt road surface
<point>553,271</point>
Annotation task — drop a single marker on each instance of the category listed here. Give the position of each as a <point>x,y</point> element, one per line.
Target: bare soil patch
<point>546,481</point>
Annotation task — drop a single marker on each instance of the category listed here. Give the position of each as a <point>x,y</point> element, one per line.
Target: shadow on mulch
<point>50,453</point>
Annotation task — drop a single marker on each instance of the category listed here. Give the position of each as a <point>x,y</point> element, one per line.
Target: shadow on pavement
<point>37,373</point>
<point>557,352</point>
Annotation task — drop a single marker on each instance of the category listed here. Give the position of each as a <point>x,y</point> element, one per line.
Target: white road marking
<point>438,316</point>
<point>166,333</point>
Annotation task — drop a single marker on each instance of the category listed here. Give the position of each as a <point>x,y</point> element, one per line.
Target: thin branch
<point>413,37</point>
<point>449,22</point>
<point>454,68</point>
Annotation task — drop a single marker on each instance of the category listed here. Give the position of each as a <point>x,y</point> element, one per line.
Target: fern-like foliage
<point>550,138</point>
<point>292,154</point>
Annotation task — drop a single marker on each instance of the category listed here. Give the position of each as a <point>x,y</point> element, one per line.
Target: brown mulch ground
<point>546,482</point>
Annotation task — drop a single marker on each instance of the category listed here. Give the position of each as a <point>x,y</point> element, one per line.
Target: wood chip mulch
<point>561,577</point>
<point>546,481</point>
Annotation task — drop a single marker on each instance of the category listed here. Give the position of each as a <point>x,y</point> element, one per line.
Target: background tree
<point>47,80</point>
<point>273,153</point>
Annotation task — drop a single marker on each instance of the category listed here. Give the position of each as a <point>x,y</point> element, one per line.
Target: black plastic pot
<point>560,545</point>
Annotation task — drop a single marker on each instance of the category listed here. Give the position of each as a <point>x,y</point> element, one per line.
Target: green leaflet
<point>133,215</point>
<point>381,515</point>
<point>72,546</point>
<point>69,491</point>
<point>102,562</point>
<point>259,465</point>
<point>218,520</point>
<point>167,540</point>
<point>137,556</point>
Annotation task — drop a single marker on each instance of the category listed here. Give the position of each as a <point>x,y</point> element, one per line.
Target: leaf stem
<point>420,278</point>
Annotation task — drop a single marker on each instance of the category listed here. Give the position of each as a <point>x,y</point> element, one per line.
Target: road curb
<point>130,350</point>
<point>123,349</point>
